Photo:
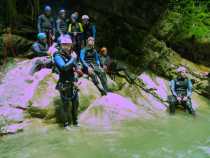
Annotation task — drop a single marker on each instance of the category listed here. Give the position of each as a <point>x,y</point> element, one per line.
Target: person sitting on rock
<point>65,60</point>
<point>181,89</point>
<point>89,28</point>
<point>46,24</point>
<point>112,67</point>
<point>76,31</point>
<point>40,49</point>
<point>91,65</point>
<point>61,23</point>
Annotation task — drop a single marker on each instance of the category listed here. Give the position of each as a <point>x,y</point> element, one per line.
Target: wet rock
<point>87,94</point>
<point>14,128</point>
<point>46,98</point>
<point>15,89</point>
<point>11,114</point>
<point>156,84</point>
<point>109,110</point>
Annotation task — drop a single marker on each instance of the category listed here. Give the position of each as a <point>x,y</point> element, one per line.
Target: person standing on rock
<point>76,30</point>
<point>91,65</point>
<point>112,67</point>
<point>46,24</point>
<point>89,28</point>
<point>65,60</point>
<point>61,23</point>
<point>181,88</point>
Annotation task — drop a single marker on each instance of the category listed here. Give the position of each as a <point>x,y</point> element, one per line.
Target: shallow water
<point>179,136</point>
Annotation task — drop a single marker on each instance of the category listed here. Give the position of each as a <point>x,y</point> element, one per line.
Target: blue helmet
<point>47,8</point>
<point>41,36</point>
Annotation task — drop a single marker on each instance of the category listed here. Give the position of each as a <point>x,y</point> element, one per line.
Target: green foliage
<point>37,112</point>
<point>13,13</point>
<point>193,19</point>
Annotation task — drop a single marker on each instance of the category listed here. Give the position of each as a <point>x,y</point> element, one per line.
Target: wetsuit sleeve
<point>189,89</point>
<point>172,86</point>
<point>82,58</point>
<point>107,61</point>
<point>58,27</point>
<point>62,65</point>
<point>39,24</point>
<point>53,25</point>
<point>36,49</point>
<point>94,31</point>
<point>97,58</point>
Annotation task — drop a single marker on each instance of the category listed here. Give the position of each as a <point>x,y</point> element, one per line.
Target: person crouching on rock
<point>65,60</point>
<point>41,49</point>
<point>181,88</point>
<point>112,67</point>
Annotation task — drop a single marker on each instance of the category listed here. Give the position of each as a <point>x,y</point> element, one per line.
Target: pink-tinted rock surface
<point>18,86</point>
<point>13,128</point>
<point>11,114</point>
<point>110,109</point>
<point>20,92</point>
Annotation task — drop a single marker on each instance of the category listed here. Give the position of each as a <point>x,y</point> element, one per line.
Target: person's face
<point>77,14</point>
<point>182,74</point>
<point>48,13</point>
<point>85,21</point>
<point>66,47</point>
<point>63,15</point>
<point>91,43</point>
<point>104,53</point>
<point>43,40</point>
<point>73,20</point>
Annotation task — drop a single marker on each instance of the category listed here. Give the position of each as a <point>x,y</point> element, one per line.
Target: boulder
<point>14,128</point>
<point>10,114</point>
<point>111,109</point>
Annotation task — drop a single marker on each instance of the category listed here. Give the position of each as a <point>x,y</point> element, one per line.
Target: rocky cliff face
<point>124,26</point>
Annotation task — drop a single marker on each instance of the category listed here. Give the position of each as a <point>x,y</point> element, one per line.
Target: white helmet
<point>85,17</point>
<point>181,69</point>
<point>65,39</point>
<point>62,11</point>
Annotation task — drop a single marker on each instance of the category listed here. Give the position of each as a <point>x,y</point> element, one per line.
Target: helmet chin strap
<point>91,47</point>
<point>65,51</point>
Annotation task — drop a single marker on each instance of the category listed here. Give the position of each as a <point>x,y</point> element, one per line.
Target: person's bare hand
<point>90,71</point>
<point>52,50</point>
<point>105,68</point>
<point>74,55</point>
<point>185,99</point>
<point>179,99</point>
<point>76,84</point>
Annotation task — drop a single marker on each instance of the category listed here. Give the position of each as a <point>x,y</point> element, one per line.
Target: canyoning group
<point>67,46</point>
